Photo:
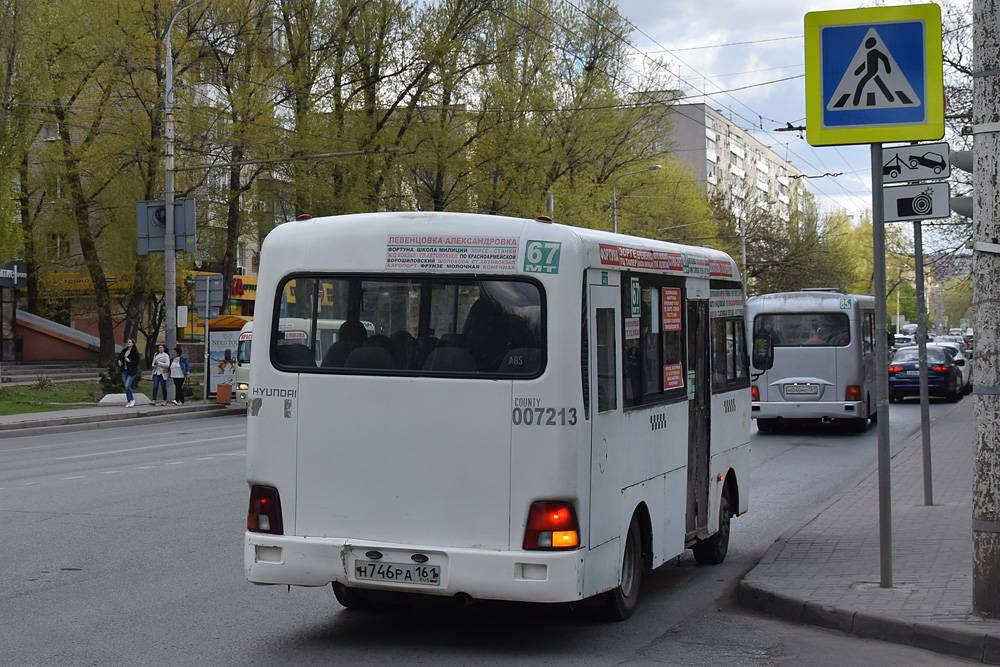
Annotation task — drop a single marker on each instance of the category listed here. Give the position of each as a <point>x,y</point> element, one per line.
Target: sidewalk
<point>827,572</point>
<point>108,416</point>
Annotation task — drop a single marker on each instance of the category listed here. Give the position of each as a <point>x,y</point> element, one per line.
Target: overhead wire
<point>734,112</point>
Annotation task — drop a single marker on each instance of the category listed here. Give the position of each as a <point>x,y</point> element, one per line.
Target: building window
<point>59,246</point>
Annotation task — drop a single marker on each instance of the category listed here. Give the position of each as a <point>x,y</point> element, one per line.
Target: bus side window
<point>729,360</point>
<point>607,373</point>
<point>868,333</point>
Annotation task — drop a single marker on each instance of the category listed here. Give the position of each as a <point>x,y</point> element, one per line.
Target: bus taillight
<point>755,393</point>
<point>853,393</point>
<point>264,515</point>
<point>551,525</point>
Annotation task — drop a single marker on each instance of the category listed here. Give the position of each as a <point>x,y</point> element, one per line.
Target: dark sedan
<point>944,377</point>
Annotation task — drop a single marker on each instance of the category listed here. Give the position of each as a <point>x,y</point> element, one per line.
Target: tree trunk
<point>30,264</point>
<point>92,260</point>
<point>986,270</point>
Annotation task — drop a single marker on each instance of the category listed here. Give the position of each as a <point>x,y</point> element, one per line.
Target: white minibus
<point>243,363</point>
<point>538,412</point>
<point>824,357</point>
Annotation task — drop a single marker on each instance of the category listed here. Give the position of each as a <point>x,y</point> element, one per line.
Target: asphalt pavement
<point>825,573</point>
<point>828,571</point>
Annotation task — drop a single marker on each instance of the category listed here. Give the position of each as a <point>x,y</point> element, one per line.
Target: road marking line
<point>175,463</point>
<point>75,477</point>
<point>110,472</point>
<point>139,449</point>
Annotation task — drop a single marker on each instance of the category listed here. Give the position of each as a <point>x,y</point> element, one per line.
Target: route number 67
<point>542,256</point>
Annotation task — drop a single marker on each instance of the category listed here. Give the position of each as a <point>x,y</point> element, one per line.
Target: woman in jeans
<point>161,371</point>
<point>128,362</point>
<point>179,371</point>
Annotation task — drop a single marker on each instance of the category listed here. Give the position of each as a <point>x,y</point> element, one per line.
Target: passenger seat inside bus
<point>453,359</point>
<point>352,334</point>
<point>370,356</point>
<point>295,354</point>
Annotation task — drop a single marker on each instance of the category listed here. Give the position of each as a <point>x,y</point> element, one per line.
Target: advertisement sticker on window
<point>673,376</point>
<point>671,309</point>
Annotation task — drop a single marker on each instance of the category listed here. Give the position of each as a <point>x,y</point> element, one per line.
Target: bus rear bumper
<point>807,410</point>
<point>542,576</point>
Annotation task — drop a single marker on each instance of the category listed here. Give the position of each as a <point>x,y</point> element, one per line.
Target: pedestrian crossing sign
<point>874,75</point>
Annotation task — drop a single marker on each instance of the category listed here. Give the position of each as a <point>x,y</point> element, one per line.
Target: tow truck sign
<point>919,162</point>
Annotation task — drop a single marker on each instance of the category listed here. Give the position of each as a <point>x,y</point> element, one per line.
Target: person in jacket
<point>161,371</point>
<point>179,372</point>
<point>128,363</point>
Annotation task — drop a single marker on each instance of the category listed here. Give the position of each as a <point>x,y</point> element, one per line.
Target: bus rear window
<point>429,326</point>
<point>805,329</point>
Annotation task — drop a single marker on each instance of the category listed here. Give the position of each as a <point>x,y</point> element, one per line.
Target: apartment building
<point>728,160</point>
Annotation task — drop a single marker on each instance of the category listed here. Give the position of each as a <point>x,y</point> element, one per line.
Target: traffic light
<point>964,161</point>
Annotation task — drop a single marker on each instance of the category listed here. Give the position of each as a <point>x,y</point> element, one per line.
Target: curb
<point>960,640</point>
<point>945,639</point>
<point>90,422</point>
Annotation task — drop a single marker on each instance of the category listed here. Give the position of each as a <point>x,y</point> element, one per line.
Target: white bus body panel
<point>442,470</point>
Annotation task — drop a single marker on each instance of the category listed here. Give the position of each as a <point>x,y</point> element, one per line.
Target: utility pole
<point>986,303</point>
<point>169,249</point>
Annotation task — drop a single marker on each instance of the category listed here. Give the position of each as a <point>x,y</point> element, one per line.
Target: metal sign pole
<point>881,371</point>
<point>925,408</point>
<point>208,297</point>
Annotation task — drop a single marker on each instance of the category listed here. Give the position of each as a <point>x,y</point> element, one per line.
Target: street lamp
<point>614,194</point>
<point>169,254</point>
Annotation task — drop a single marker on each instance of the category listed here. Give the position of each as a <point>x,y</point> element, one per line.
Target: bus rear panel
<point>824,357</point>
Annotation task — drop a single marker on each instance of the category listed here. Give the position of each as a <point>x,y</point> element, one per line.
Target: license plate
<point>801,389</point>
<point>407,573</point>
<point>913,373</point>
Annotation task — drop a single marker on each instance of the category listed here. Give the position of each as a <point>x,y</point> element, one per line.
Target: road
<point>124,547</point>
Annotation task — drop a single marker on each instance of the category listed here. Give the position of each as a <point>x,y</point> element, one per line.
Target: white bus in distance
<point>823,358</point>
<point>541,413</point>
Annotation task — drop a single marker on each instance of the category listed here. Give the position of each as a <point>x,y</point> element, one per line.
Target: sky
<point>758,47</point>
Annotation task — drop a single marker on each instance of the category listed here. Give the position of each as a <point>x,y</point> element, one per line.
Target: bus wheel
<point>857,425</point>
<point>620,602</point>
<point>349,597</point>
<point>765,425</point>
<point>713,550</point>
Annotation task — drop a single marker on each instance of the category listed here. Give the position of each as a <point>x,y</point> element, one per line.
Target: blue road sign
<point>874,75</point>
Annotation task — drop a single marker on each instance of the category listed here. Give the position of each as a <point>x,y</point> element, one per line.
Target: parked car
<point>944,375</point>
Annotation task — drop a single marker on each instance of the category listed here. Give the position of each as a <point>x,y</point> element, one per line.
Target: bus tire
<point>713,550</point>
<point>857,425</point>
<point>765,425</point>
<point>620,602</point>
<point>350,598</point>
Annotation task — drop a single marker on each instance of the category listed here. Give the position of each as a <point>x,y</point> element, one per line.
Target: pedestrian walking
<point>128,363</point>
<point>179,372</point>
<point>161,371</point>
